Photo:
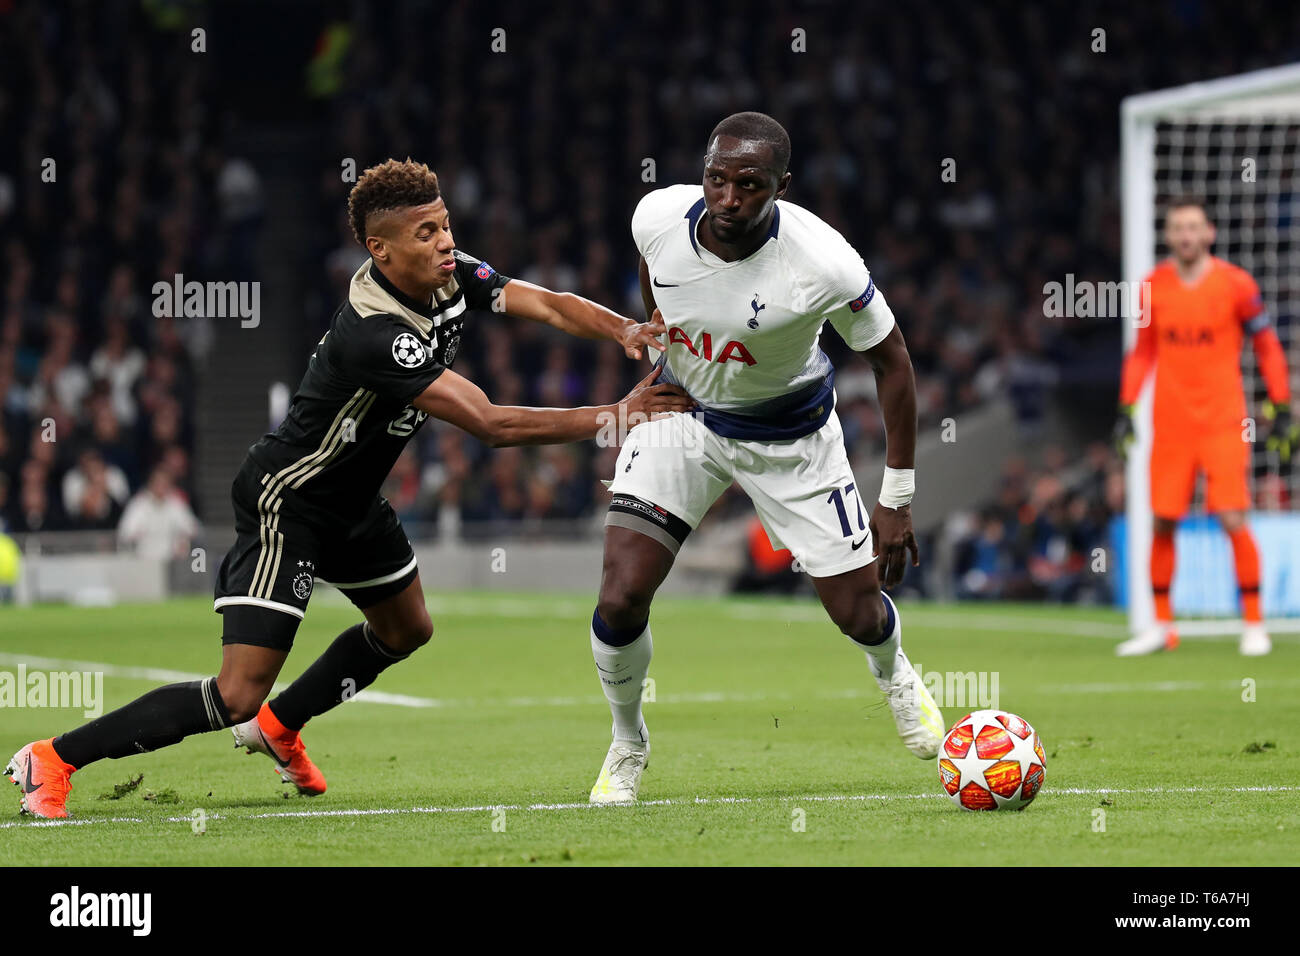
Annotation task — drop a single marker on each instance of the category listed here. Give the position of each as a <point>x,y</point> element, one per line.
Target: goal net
<point>1236,143</point>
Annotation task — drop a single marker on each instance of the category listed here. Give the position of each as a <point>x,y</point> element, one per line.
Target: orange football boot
<point>265,734</point>
<point>44,779</point>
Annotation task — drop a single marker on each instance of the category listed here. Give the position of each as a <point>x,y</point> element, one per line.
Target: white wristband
<point>897,487</point>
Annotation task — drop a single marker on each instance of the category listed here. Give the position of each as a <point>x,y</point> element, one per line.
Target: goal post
<point>1235,142</point>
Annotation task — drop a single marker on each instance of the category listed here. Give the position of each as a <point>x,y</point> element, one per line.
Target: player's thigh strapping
<point>669,473</point>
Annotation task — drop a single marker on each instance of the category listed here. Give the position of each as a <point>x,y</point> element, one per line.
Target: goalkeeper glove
<point>1283,432</point>
<point>1124,432</point>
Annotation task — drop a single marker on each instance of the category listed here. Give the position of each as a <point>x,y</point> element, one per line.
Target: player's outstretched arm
<point>1138,364</point>
<point>578,316</point>
<point>891,519</point>
<point>455,399</point>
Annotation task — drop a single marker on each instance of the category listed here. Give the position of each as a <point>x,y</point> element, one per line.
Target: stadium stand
<point>110,186</point>
<point>543,153</point>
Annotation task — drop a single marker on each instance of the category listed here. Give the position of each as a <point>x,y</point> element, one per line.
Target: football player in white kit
<point>744,282</point>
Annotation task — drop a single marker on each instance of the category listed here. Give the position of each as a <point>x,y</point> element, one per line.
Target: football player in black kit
<point>307,501</point>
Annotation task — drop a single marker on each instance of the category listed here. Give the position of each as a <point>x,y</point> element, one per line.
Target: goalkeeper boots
<point>264,734</point>
<point>43,779</point>
<point>1255,641</point>
<point>1159,637</point>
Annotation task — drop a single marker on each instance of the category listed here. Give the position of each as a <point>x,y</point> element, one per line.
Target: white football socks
<point>883,655</point>
<point>622,671</point>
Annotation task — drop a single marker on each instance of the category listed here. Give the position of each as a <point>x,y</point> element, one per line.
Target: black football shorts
<point>267,577</point>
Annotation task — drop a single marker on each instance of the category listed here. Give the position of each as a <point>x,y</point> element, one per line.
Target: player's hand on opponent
<point>891,534</point>
<point>1124,432</point>
<point>1283,432</point>
<point>637,335</point>
<point>649,399</point>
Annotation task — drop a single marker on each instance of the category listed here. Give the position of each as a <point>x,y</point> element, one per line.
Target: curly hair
<point>390,185</point>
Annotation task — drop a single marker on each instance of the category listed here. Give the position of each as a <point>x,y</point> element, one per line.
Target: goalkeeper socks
<point>1245,555</point>
<point>622,663</point>
<point>884,652</point>
<point>160,718</point>
<point>1162,574</point>
<point>348,666</point>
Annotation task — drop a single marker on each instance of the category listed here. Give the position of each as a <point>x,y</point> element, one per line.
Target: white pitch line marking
<point>69,823</point>
<point>669,802</point>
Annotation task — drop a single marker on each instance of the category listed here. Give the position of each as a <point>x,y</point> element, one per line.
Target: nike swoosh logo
<point>282,764</point>
<point>662,285</point>
<point>858,544</point>
<point>27,787</point>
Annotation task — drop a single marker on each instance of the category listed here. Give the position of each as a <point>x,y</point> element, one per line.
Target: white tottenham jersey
<point>743,337</point>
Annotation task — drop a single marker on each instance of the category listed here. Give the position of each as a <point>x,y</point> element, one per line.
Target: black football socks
<point>167,715</point>
<point>162,717</point>
<point>348,666</point>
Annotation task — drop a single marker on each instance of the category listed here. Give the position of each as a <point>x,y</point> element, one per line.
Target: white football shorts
<point>803,489</point>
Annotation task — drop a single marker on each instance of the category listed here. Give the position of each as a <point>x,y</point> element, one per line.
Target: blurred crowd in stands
<point>1045,536</point>
<point>107,185</point>
<point>969,153</point>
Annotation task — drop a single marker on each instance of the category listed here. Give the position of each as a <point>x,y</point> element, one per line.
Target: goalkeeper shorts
<point>1222,455</point>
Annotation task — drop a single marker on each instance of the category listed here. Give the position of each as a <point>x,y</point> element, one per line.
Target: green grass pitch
<point>764,718</point>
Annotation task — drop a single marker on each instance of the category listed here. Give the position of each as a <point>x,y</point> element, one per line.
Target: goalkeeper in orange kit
<point>1199,310</point>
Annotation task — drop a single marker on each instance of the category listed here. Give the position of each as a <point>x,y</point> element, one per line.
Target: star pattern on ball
<point>986,739</point>
<point>972,766</point>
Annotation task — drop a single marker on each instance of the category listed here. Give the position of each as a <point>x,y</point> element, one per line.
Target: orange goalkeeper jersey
<point>1194,339</point>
